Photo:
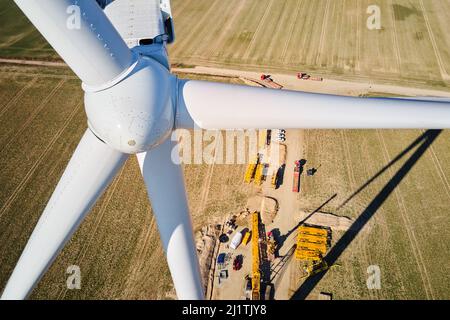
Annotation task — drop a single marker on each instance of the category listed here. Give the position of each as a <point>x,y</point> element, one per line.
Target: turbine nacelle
<point>135,112</point>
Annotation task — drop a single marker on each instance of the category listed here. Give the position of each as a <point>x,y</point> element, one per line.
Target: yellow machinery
<point>246,239</point>
<point>256,275</point>
<point>259,174</point>
<point>313,231</point>
<point>315,268</point>
<point>312,243</point>
<point>251,169</point>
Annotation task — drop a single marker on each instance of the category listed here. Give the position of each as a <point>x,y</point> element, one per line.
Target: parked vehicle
<point>237,263</point>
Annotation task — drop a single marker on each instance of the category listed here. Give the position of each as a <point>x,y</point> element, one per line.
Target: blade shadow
<point>425,141</point>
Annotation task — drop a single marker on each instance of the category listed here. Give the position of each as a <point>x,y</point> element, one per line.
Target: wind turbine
<point>133,103</point>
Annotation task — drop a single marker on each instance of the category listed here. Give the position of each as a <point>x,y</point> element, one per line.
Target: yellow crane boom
<point>256,275</point>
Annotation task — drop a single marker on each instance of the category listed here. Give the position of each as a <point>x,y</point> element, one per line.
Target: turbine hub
<point>135,112</point>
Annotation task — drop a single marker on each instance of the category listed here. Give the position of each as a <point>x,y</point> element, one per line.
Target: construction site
<point>254,253</point>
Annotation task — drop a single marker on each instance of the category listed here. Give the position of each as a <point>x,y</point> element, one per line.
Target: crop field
<point>395,186</point>
<point>326,36</point>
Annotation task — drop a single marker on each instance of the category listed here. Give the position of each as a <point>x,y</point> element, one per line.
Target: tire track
<point>35,113</point>
<point>206,185</point>
<point>79,259</point>
<point>32,170</point>
<point>262,22</point>
<point>132,278</point>
<point>358,37</point>
<point>395,39</point>
<point>440,62</point>
<point>440,170</point>
<point>18,95</point>
<point>227,28</point>
<point>323,34</point>
<point>411,235</point>
<point>194,31</point>
<point>350,171</point>
<point>291,31</point>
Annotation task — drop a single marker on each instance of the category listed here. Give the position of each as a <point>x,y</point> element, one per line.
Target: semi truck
<point>296,180</point>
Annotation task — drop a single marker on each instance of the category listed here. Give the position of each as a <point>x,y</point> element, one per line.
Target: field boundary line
<point>14,194</point>
<point>258,29</point>
<point>35,112</point>
<point>18,95</point>
<point>411,235</point>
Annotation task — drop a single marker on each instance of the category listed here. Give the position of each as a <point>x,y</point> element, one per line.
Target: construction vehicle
<point>251,169</point>
<point>259,174</point>
<point>268,137</point>
<point>313,268</point>
<point>303,76</point>
<point>237,263</point>
<point>256,275</point>
<point>246,239</point>
<point>267,81</point>
<point>237,240</point>
<point>296,180</point>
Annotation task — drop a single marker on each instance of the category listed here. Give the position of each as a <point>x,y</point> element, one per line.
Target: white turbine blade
<point>82,35</point>
<point>165,186</point>
<point>91,169</point>
<point>224,106</point>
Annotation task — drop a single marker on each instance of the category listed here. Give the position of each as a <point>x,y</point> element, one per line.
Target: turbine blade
<point>166,190</point>
<point>91,169</point>
<point>211,105</point>
<point>82,35</point>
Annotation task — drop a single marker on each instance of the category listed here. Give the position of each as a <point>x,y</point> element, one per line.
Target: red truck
<point>298,169</point>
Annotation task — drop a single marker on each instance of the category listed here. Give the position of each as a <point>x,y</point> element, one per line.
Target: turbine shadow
<point>425,141</point>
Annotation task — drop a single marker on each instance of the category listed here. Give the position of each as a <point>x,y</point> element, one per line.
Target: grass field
<point>117,246</point>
